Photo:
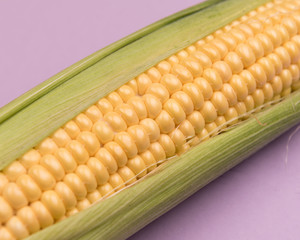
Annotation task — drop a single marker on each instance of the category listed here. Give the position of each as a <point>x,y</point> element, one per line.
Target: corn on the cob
<point>161,113</point>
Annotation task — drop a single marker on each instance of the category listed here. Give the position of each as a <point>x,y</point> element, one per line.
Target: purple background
<point>259,199</point>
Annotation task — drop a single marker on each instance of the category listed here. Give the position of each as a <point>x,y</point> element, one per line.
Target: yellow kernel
<point>53,203</point>
<point>29,187</point>
<point>182,73</point>
<point>99,170</point>
<point>265,42</point>
<point>175,110</point>
<point>231,116</point>
<point>94,196</point>
<point>116,181</point>
<point>229,40</point>
<point>78,151</point>
<point>149,160</point>
<point>256,46</point>
<point>173,60</point>
<point>293,51</point>
<point>286,92</point>
<point>229,93</point>
<point>114,99</point>
<point>151,128</point>
<point>220,102</point>
<point>137,165</point>
<point>66,194</point>
<point>47,146</point>
<point>117,152</point>
<point>286,78</point>
<point>172,83</point>
<point>220,46</point>
<point>194,92</point>
<point>240,107</point>
<point>182,54</point>
<point>274,36</point>
<point>6,212</point>
<point>276,85</point>
<point>249,103</point>
<point>14,196</point>
<point>204,87</point>
<point>291,26</point>
<point>140,137</point>
<point>167,144</point>
<point>87,177</point>
<point>256,26</point>
<point>42,177</point>
<point>127,175</point>
<point>246,54</point>
<point>139,106</point>
<point>197,121</point>
<point>249,80</point>
<point>115,121</point>
<point>66,159</point>
<point>83,122</point>
<point>14,170</point>
<point>60,137</point>
<point>5,234</point>
<point>187,129</point>
<point>103,132</point>
<point>125,92</point>
<point>104,105</point>
<point>128,114</point>
<point>193,66</point>
<point>153,105</point>
<point>143,82</point>
<point>17,228</point>
<point>296,86</point>
<point>213,78</point>
<point>239,86</point>
<point>268,92</point>
<point>203,135</point>
<point>72,129</point>
<point>157,151</point>
<point>165,122</point>
<point>284,56</point>
<point>223,70</point>
<point>221,121</point>
<point>164,67</point>
<point>43,215</point>
<point>133,85</point>
<point>258,97</point>
<point>238,35</point>
<point>276,62</point>
<point>212,128</point>
<point>127,143</point>
<point>3,182</point>
<point>72,212</point>
<point>154,74</point>
<point>30,158</point>
<point>268,67</point>
<point>211,51</point>
<point>178,138</point>
<point>93,113</point>
<point>294,70</point>
<point>107,159</point>
<point>27,216</point>
<point>190,49</point>
<point>159,91</point>
<point>296,39</point>
<point>76,185</point>
<point>259,74</point>
<point>234,61</point>
<point>83,204</point>
<point>202,58</point>
<point>184,100</point>
<point>53,166</point>
<point>245,29</point>
<point>106,190</point>
<point>208,111</point>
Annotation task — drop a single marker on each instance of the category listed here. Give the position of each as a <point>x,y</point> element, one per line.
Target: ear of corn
<point>89,158</point>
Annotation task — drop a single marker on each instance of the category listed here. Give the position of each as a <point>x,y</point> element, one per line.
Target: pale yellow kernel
<point>87,177</point>
<point>276,85</point>
<point>182,73</point>
<point>296,86</point>
<point>204,87</point>
<point>209,38</point>
<point>246,54</point>
<point>6,212</point>
<point>249,103</point>
<point>3,181</point>
<point>116,181</point>
<point>221,122</point>
<point>139,106</point>
<point>103,132</point>
<point>153,105</point>
<point>159,91</point>
<point>294,70</point>
<point>53,203</point>
<point>99,170</point>
<point>203,135</point>
<point>187,129</point>
<point>211,51</point>
<point>229,40</point>
<point>137,165</point>
<point>234,61</point>
<point>17,228</point>
<point>268,67</point>
<point>164,67</point>
<point>178,138</point>
<point>240,107</point>
<point>151,128</point>
<point>276,62</point>
<point>83,122</point>
<point>240,87</point>
<point>293,51</point>
<point>66,159</point>
<point>268,92</point>
<point>213,78</point>
<point>173,60</point>
<point>157,151</point>
<point>296,39</point>
<point>238,35</point>
<point>220,102</point>
<point>165,122</point>
<point>184,100</point>
<point>5,234</point>
<point>218,32</point>
<point>107,159</point>
<point>115,121</point>
<point>106,190</point>
<point>72,212</point>
<point>182,54</point>
<point>212,128</point>
<point>117,152</point>
<point>193,66</point>
<point>209,112</point>
<point>47,146</point>
<point>104,105</point>
<point>125,92</point>
<point>167,144</point>
<point>286,92</point>
<point>78,151</point>
<point>154,74</point>
<point>184,148</point>
<point>265,42</point>
<point>245,29</point>
<point>249,80</point>
<point>223,70</point>
<point>172,83</point>
<point>284,56</point>
<point>133,85</point>
<point>175,110</point>
<point>27,216</point>
<point>220,46</point>
<point>43,215</point>
<point>140,137</point>
<point>255,25</point>
<point>42,177</point>
<point>53,166</point>
<point>30,158</point>
<point>114,99</point>
<point>66,195</point>
<point>200,43</point>
<point>274,36</point>
<point>29,187</point>
<point>127,175</point>
<point>14,196</point>
<point>76,185</point>
<point>83,204</point>
<point>286,78</point>
<point>197,121</point>
<point>127,112</point>
<point>229,93</point>
<point>93,113</point>
<point>126,142</point>
<point>149,159</point>
<point>72,129</point>
<point>290,24</point>
<point>14,170</point>
<point>231,116</point>
<point>60,137</point>
<point>258,97</point>
<point>94,196</point>
<point>256,46</point>
<point>259,74</point>
<point>202,58</point>
<point>194,92</point>
<point>190,49</point>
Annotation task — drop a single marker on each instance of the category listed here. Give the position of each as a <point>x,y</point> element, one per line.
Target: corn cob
<point>161,113</point>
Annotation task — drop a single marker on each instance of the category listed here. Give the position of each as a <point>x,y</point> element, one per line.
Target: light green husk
<point>34,116</point>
